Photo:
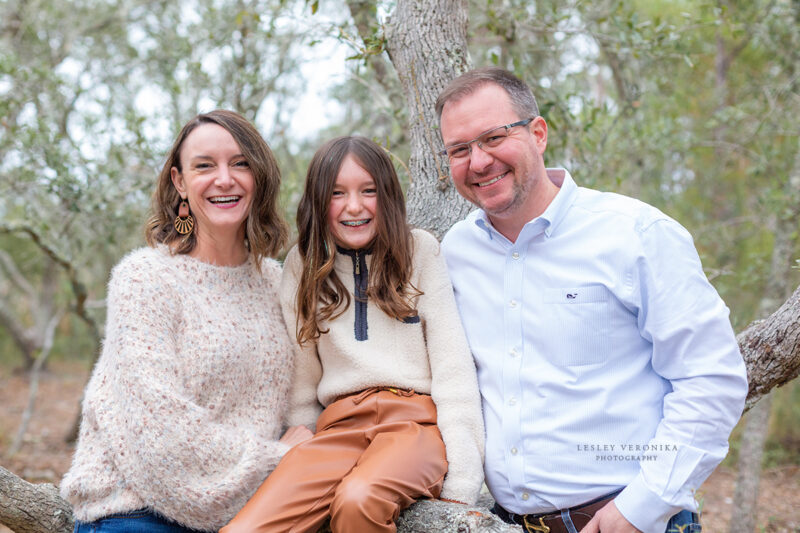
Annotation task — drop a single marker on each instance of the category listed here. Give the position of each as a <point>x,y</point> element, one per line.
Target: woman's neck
<point>222,252</point>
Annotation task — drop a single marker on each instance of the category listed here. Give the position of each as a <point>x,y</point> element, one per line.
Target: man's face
<point>500,181</point>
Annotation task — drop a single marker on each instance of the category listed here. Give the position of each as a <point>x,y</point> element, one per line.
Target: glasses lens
<point>493,138</point>
<point>487,141</point>
<point>458,151</point>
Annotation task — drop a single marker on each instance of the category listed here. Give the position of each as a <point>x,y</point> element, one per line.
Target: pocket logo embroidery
<point>576,295</point>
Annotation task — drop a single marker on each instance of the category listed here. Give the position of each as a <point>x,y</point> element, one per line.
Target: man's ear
<point>177,181</point>
<point>538,128</point>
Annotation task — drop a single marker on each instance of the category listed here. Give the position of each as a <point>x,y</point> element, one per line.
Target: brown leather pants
<point>374,453</point>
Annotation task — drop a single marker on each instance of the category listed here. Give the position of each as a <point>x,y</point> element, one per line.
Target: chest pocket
<point>583,315</point>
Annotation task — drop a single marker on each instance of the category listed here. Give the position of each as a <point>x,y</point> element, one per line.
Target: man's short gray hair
<point>522,99</point>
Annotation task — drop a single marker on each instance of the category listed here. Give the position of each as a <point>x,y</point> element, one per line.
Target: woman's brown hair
<point>266,231</point>
<point>320,293</point>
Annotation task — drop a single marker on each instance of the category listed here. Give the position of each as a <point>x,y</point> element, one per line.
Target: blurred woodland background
<point>689,105</point>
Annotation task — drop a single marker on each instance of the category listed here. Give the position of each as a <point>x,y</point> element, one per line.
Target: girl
<point>381,348</point>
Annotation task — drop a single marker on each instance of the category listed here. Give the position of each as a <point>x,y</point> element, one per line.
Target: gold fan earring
<point>184,223</point>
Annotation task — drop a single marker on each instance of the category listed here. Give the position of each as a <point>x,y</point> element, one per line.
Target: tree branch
<point>78,288</point>
<point>771,349</point>
<point>29,508</point>
<point>19,334</point>
<point>36,371</point>
<point>16,276</point>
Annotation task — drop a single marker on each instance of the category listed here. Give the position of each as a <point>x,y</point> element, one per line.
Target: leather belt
<point>554,522</point>
<point>359,396</point>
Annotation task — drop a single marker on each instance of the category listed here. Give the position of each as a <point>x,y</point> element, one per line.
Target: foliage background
<point>689,105</point>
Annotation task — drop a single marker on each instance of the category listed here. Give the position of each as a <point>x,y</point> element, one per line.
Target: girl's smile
<point>353,206</point>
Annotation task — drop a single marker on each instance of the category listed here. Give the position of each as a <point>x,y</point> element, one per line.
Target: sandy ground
<point>45,456</point>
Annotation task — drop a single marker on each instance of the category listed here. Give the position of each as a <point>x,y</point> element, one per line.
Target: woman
<point>182,414</point>
<point>380,348</point>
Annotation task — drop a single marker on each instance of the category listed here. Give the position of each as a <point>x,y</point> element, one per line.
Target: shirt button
<point>512,352</point>
<point>512,401</point>
<point>515,255</point>
<point>525,496</point>
<point>513,451</point>
<point>512,304</point>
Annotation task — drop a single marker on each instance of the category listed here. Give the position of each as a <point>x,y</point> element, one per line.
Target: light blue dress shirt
<point>605,357</point>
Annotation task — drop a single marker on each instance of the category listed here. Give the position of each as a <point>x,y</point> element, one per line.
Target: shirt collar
<point>346,259</point>
<point>565,197</point>
<point>554,213</point>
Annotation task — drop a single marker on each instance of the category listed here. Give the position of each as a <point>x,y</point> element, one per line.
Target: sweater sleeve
<point>454,383</point>
<point>183,459</point>
<point>304,407</point>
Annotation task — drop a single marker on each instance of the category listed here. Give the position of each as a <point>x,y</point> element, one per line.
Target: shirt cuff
<point>643,508</point>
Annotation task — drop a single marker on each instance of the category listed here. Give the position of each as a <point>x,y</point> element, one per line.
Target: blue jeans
<point>141,521</point>
<point>684,522</point>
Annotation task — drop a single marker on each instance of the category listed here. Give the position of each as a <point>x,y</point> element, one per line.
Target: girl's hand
<point>296,435</point>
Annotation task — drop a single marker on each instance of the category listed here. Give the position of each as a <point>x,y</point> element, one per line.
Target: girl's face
<point>354,206</point>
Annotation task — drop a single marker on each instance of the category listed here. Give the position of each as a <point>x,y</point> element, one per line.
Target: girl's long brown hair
<point>321,295</point>
<point>265,229</point>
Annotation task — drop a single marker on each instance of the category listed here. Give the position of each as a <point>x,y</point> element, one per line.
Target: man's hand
<point>296,435</point>
<point>609,520</point>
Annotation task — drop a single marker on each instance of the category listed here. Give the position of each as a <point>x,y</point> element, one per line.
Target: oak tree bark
<point>28,508</point>
<point>427,43</point>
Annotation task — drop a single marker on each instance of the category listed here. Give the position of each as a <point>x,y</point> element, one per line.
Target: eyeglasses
<point>486,141</point>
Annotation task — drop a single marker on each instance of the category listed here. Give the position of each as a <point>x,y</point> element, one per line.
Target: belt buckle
<point>530,528</point>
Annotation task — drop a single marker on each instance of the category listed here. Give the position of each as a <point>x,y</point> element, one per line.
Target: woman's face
<point>216,180</point>
<point>354,206</point>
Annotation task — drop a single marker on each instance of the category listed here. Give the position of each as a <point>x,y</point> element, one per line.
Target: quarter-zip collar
<point>360,281</point>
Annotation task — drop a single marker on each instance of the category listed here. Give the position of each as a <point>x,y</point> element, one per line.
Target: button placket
<point>512,327</point>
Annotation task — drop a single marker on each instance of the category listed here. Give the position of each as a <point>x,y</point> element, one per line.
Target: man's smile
<point>493,180</point>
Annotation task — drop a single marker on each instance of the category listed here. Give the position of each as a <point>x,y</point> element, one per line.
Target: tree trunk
<point>41,360</point>
<point>745,499</point>
<point>365,17</point>
<point>751,451</point>
<point>427,43</point>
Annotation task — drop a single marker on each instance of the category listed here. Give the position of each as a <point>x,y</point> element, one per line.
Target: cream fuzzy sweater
<point>185,404</point>
<point>429,355</point>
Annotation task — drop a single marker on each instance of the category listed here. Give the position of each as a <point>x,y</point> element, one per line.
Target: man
<point>610,374</point>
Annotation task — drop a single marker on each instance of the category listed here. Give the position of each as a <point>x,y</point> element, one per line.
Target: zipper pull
<point>358,265</point>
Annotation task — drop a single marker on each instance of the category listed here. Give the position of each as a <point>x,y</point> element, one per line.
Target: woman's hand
<point>296,435</point>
